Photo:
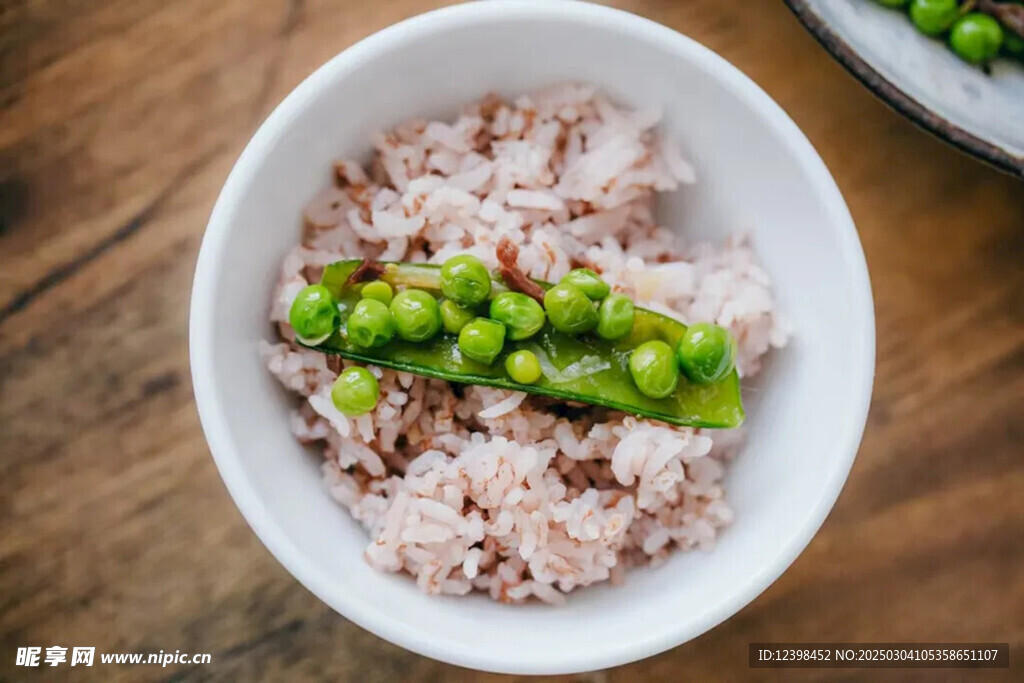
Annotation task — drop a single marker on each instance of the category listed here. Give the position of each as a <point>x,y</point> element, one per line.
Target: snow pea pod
<point>583,368</point>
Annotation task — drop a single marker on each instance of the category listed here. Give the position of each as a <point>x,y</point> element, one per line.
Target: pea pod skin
<point>584,368</point>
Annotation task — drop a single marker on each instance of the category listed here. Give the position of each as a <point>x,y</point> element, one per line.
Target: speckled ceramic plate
<point>922,79</point>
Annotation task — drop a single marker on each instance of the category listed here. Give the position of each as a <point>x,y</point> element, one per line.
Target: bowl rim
<point>227,457</point>
<point>897,99</point>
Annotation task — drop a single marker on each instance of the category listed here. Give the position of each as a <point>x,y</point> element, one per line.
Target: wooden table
<point>119,121</point>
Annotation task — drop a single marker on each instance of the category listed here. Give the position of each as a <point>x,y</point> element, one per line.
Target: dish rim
<point>897,99</point>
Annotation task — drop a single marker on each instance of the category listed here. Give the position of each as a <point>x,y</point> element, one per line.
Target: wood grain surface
<point>119,121</point>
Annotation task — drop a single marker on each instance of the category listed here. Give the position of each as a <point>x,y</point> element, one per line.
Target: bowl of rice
<point>497,529</point>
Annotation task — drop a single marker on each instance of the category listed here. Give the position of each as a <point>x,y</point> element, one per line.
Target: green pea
<point>371,324</point>
<point>1013,44</point>
<point>521,315</point>
<point>482,340</point>
<point>569,309</point>
<point>454,317</point>
<point>523,367</point>
<point>588,282</point>
<point>379,291</point>
<point>417,316</point>
<point>976,37</point>
<point>892,3</point>
<point>707,353</point>
<point>355,392</point>
<point>314,314</point>
<point>615,317</point>
<point>654,369</point>
<point>465,280</point>
<point>933,17</point>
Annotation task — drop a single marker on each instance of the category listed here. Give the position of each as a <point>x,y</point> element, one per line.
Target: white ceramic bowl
<point>757,172</point>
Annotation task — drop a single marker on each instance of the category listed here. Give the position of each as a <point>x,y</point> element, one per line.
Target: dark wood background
<point>119,121</point>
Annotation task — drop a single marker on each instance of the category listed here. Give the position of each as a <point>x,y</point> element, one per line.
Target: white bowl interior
<point>756,173</point>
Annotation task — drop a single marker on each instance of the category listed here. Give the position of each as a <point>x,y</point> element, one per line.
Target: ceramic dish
<point>922,79</point>
<point>756,172</point>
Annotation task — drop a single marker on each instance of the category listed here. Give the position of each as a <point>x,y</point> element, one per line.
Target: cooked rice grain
<point>498,491</point>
